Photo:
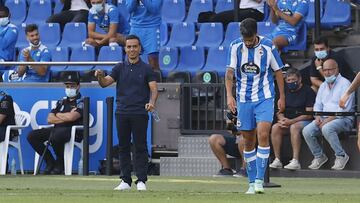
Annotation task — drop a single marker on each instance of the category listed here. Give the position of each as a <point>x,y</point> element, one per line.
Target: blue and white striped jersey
<point>254,69</point>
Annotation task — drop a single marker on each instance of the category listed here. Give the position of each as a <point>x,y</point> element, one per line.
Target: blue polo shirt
<point>8,37</point>
<point>132,86</point>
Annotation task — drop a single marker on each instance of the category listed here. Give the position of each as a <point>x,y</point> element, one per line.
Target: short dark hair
<point>293,71</point>
<point>30,28</point>
<point>322,40</point>
<point>248,27</point>
<point>5,9</point>
<point>132,37</point>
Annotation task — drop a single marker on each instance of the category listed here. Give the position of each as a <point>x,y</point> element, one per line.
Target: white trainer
<point>293,165</point>
<point>258,186</point>
<point>251,190</point>
<point>141,186</point>
<point>276,164</point>
<point>123,186</point>
<point>318,162</point>
<point>340,162</point>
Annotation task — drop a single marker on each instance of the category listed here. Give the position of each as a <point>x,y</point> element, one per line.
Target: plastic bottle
<point>155,116</point>
<point>13,167</point>
<point>80,168</point>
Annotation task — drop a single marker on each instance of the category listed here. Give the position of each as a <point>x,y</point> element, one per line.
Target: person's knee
<point>295,128</point>
<point>327,130</point>
<point>31,137</point>
<point>216,139</point>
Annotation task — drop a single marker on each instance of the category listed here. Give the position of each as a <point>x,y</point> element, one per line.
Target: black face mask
<point>292,86</point>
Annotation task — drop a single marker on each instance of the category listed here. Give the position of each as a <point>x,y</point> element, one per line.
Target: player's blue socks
<point>250,159</point>
<point>262,157</point>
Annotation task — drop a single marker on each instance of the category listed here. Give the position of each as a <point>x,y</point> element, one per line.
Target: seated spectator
<point>108,18</point>
<point>298,96</point>
<point>228,144</point>
<point>289,17</point>
<point>323,52</point>
<point>68,112</point>
<point>7,115</point>
<point>327,100</point>
<point>8,37</point>
<point>73,11</point>
<point>247,9</point>
<point>35,52</point>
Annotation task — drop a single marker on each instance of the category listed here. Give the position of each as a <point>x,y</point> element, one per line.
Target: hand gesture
<point>99,73</point>
<point>149,107</point>
<point>271,3</point>
<point>318,62</point>
<point>26,54</point>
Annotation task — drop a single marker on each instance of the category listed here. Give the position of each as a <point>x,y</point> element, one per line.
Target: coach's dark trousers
<point>137,125</point>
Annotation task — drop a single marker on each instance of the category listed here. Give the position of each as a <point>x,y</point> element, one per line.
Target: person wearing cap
<point>136,95</point>
<point>67,112</point>
<point>35,52</point>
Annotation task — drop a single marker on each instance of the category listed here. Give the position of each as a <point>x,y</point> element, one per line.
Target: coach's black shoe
<point>48,169</point>
<point>57,171</point>
<point>224,172</point>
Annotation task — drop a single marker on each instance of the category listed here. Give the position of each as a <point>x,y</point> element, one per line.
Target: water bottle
<point>13,167</point>
<point>155,116</point>
<point>80,168</point>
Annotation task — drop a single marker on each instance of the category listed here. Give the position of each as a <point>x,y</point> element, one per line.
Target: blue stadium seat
<point>73,35</point>
<point>107,53</point>
<point>164,33</point>
<point>265,28</point>
<point>232,33</point>
<point>216,60</point>
<point>18,11</point>
<point>86,53</point>
<point>58,6</point>
<point>182,34</point>
<point>58,54</point>
<point>21,40</point>
<point>192,59</point>
<point>122,9</point>
<point>198,6</point>
<point>210,35</point>
<point>266,12</point>
<point>300,44</point>
<point>337,13</point>
<point>173,11</point>
<point>50,34</point>
<point>310,18</point>
<point>168,59</point>
<point>39,11</point>
<point>224,5</point>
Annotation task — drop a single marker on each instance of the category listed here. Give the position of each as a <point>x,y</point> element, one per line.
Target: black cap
<point>70,77</point>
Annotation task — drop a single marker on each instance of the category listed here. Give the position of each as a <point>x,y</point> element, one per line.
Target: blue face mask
<point>70,92</point>
<point>321,54</point>
<point>330,79</point>
<point>97,7</point>
<point>292,86</point>
<point>4,21</point>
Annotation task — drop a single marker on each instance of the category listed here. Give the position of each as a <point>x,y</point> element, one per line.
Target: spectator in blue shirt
<point>112,23</point>
<point>34,52</point>
<point>289,16</point>
<point>8,37</point>
<point>145,23</point>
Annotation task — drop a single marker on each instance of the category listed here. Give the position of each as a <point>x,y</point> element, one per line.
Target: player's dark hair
<point>248,27</point>
<point>31,28</point>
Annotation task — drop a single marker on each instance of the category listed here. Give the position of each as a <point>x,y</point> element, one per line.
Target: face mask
<point>4,21</point>
<point>96,7</point>
<point>330,79</point>
<point>321,54</point>
<point>34,45</point>
<point>292,86</point>
<point>70,92</point>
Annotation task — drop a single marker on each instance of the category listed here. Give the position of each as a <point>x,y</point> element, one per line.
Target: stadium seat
<point>300,44</point>
<point>21,40</point>
<point>39,11</point>
<point>107,53</point>
<point>168,59</point>
<point>206,39</point>
<point>196,7</point>
<point>337,13</point>
<point>69,39</point>
<point>50,34</point>
<point>182,34</point>
<point>192,59</point>
<point>224,5</point>
<point>173,11</point>
<point>232,33</point>
<point>179,77</point>
<point>58,6</point>
<point>86,53</point>
<point>18,11</point>
<point>265,28</point>
<point>216,60</point>
<point>122,9</point>
<point>164,34</point>
<point>310,18</point>
<point>58,54</point>
<point>266,12</point>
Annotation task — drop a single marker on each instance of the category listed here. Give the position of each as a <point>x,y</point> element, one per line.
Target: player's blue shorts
<point>250,113</point>
<point>287,34</point>
<point>149,38</point>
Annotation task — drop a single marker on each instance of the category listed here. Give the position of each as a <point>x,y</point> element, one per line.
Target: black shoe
<point>48,169</point>
<point>225,172</point>
<point>57,171</point>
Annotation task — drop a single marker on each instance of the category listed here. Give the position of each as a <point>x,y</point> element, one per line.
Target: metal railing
<point>60,63</point>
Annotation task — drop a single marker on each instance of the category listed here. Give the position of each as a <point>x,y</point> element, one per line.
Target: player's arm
<point>71,116</point>
<point>53,119</point>
<point>229,82</point>
<point>103,80</point>
<point>110,34</point>
<point>2,117</point>
<point>280,82</point>
<point>8,38</point>
<point>93,34</point>
<point>273,16</point>
<point>301,11</point>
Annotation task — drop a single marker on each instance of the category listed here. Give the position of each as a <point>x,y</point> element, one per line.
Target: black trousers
<point>137,125</point>
<point>2,133</point>
<point>69,16</point>
<point>60,136</point>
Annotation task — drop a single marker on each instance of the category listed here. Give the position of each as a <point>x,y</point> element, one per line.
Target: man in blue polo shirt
<point>8,37</point>
<point>289,15</point>
<point>35,52</point>
<point>112,23</point>
<point>145,23</point>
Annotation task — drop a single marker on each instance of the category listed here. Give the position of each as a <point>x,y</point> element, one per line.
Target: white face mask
<point>4,21</point>
<point>96,8</point>
<point>35,45</point>
<point>70,92</point>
